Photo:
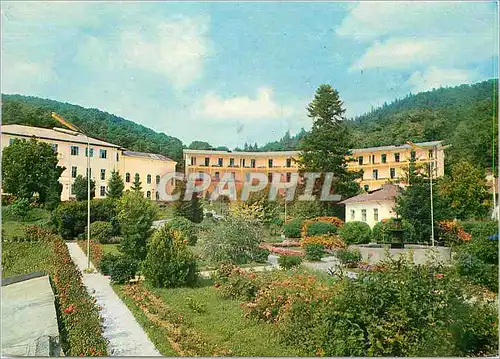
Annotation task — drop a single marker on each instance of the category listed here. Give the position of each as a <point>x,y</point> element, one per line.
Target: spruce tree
<point>137,184</point>
<point>192,209</point>
<point>115,185</point>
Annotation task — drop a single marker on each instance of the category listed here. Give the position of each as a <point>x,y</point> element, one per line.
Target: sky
<point>235,72</point>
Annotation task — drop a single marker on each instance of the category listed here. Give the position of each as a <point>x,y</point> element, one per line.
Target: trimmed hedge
<point>356,233</point>
<point>319,228</point>
<point>293,228</point>
<point>337,222</point>
<point>78,315</point>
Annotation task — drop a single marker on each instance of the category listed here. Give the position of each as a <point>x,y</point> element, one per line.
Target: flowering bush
<point>337,222</point>
<point>329,242</point>
<point>234,283</point>
<point>451,233</point>
<point>78,315</point>
<point>95,251</point>
<point>185,227</point>
<point>35,233</point>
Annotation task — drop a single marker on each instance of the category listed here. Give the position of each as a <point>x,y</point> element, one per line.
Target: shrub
<point>451,233</point>
<point>234,240</point>
<point>239,285</point>
<point>319,228</point>
<point>306,209</point>
<point>480,229</point>
<point>101,231</point>
<point>292,228</point>
<point>349,257</point>
<point>356,233</point>
<point>381,231</point>
<point>186,228</point>
<point>123,269</point>
<point>329,242</point>
<point>107,262</point>
<point>20,207</point>
<point>169,263</point>
<point>314,251</point>
<point>115,240</point>
<point>287,262</point>
<point>337,222</point>
<point>261,255</point>
<point>81,331</point>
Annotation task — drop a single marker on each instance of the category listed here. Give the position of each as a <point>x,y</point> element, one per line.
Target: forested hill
<point>464,116</point>
<point>34,111</point>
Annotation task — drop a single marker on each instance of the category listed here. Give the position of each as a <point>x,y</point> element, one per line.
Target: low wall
<point>421,254</point>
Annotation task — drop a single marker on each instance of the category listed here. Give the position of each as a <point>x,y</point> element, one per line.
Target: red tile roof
<point>386,192</point>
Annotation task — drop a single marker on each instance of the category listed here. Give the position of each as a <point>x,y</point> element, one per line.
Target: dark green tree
<point>137,184</point>
<point>200,145</point>
<point>192,209</point>
<point>30,167</point>
<point>80,188</point>
<point>115,185</point>
<point>325,148</point>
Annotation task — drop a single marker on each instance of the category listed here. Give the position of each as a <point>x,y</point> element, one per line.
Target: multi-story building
<point>71,148</point>
<point>379,164</point>
<point>390,163</point>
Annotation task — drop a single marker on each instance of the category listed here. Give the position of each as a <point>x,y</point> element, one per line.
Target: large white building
<point>71,148</point>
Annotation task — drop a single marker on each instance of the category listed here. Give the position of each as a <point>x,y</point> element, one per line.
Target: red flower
<point>439,276</point>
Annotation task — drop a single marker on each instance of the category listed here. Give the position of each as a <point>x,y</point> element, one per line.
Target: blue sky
<point>230,73</point>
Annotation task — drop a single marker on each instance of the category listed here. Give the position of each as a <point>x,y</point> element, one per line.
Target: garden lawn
<point>198,322</point>
<point>25,257</point>
<point>14,227</point>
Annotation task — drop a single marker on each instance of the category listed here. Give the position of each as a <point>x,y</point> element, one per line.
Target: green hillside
<point>34,111</point>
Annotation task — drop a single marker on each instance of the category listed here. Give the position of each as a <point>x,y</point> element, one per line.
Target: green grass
<point>14,227</point>
<point>25,257</point>
<point>222,323</point>
<point>110,248</point>
<point>165,212</point>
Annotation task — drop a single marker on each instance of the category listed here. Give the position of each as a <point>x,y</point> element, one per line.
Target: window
<point>157,195</point>
<point>72,189</point>
<point>375,214</point>
<point>148,194</point>
<point>220,162</point>
<point>54,147</point>
<point>363,215</point>
<point>353,214</point>
<point>288,176</point>
<point>375,174</point>
<point>74,172</point>
<point>74,150</point>
<point>103,191</point>
<point>366,187</point>
<point>157,179</point>
<point>103,153</point>
<point>289,162</point>
<point>360,160</point>
<point>91,150</point>
<point>243,162</point>
<point>393,173</point>
<point>193,161</point>
<point>117,157</point>
<point>270,163</point>
<point>383,158</point>
<point>396,157</point>
<point>103,174</point>
<point>252,163</point>
<point>412,155</point>
<point>148,179</point>
<point>217,174</point>
<point>127,177</point>
<point>373,158</point>
<point>431,154</point>
<point>231,162</point>
<point>269,177</point>
<point>207,161</point>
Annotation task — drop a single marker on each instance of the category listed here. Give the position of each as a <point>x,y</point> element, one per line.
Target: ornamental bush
<point>314,251</point>
<point>107,262</point>
<point>287,262</point>
<point>480,229</point>
<point>319,228</point>
<point>355,233</point>
<point>349,257</point>
<point>293,228</point>
<point>101,231</point>
<point>328,241</point>
<point>187,229</point>
<point>238,284</point>
<point>169,263</point>
<point>19,208</point>
<point>123,269</point>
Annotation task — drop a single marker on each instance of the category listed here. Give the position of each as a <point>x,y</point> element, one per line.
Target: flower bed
<point>96,252</point>
<point>330,242</point>
<point>287,244</point>
<point>281,251</point>
<point>78,315</point>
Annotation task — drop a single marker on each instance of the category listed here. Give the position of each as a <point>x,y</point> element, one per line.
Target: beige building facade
<point>104,157</point>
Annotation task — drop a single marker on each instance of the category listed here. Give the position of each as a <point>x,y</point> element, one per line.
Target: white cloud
<point>175,49</point>
<point>435,77</point>
<point>40,75</point>
<point>245,108</point>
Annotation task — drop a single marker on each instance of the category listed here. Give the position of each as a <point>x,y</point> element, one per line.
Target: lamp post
<point>75,132</point>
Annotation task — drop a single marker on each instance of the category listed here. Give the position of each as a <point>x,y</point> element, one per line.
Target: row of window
<point>220,162</point>
<point>148,178</point>
<point>397,157</point>
<point>74,172</point>
<point>363,215</point>
<point>75,151</point>
<point>392,173</point>
<point>102,192</point>
<point>247,176</point>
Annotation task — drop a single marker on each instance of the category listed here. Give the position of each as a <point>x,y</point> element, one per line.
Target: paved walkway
<point>126,337</point>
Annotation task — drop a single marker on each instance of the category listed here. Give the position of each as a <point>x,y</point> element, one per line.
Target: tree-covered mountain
<point>34,111</point>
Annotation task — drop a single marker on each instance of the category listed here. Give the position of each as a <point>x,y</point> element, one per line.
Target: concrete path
<point>29,322</point>
<point>126,337</point>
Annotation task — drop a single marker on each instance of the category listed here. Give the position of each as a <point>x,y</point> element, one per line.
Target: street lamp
<point>75,131</point>
<point>431,162</point>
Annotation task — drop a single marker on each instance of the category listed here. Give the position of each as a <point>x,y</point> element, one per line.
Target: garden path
<point>125,335</point>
